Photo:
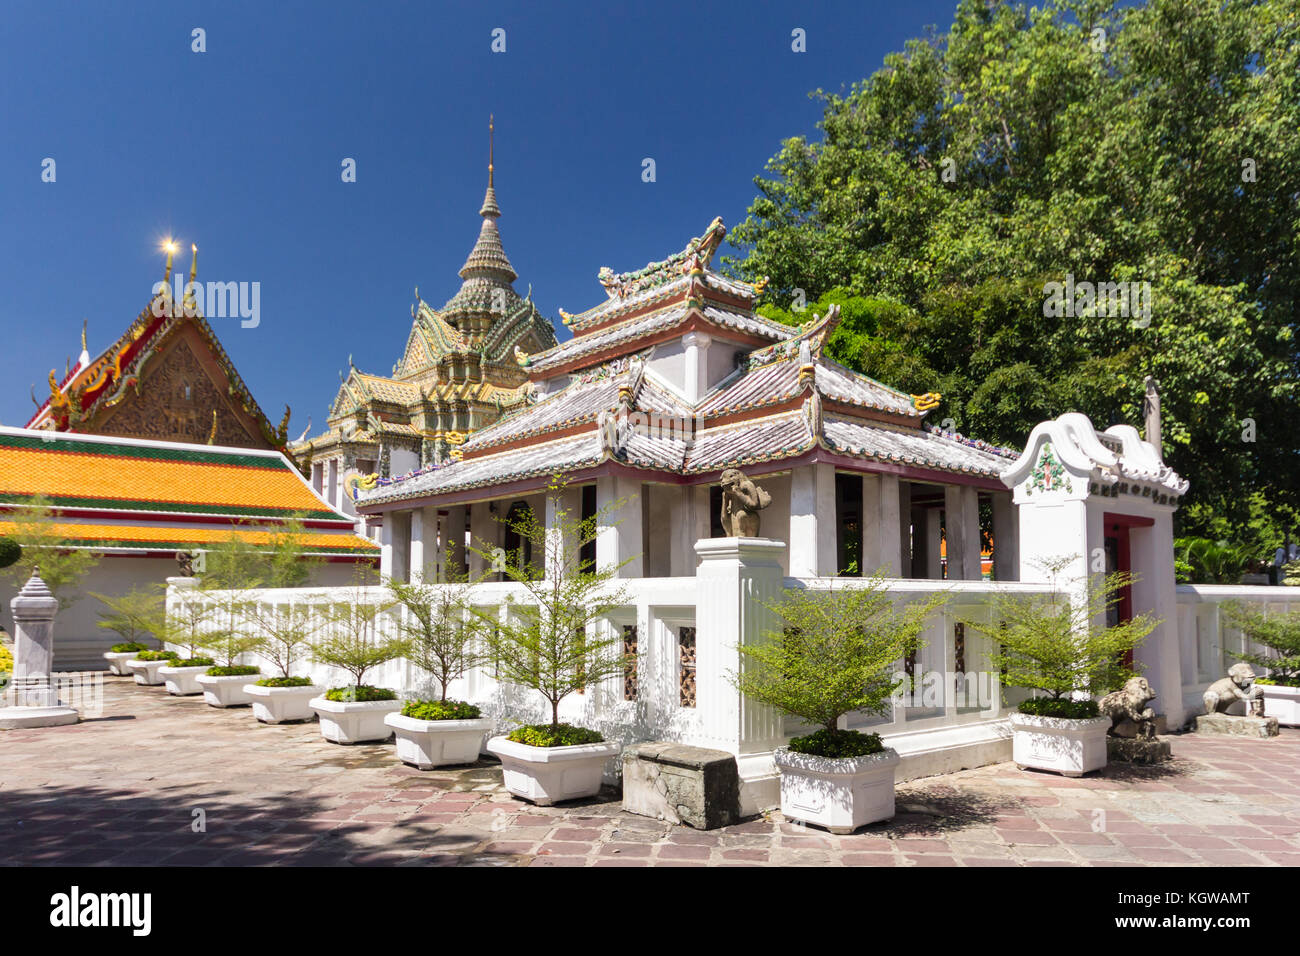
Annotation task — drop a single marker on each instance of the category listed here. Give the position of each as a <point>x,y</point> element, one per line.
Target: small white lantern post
<point>34,699</point>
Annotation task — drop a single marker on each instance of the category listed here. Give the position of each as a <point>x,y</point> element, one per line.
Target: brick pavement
<point>123,789</point>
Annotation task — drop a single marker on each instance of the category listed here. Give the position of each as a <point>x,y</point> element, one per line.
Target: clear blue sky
<point>239,149</point>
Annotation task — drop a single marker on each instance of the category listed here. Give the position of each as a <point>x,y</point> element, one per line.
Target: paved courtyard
<point>159,779</point>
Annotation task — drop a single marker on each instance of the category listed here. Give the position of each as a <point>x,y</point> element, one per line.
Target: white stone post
<point>696,346</point>
<point>882,525</point>
<point>736,578</point>
<point>812,521</point>
<point>962,520</point>
<point>423,531</point>
<point>35,699</point>
<point>484,534</point>
<point>619,537</point>
<point>1006,538</point>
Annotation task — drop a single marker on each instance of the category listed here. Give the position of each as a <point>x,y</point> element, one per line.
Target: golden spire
<point>191,300</point>
<point>170,248</point>
<point>194,262</point>
<point>490,149</point>
<point>83,333</point>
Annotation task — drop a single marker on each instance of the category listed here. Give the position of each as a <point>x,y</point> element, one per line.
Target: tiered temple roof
<point>457,373</point>
<point>604,403</point>
<point>167,377</point>
<point>130,497</point>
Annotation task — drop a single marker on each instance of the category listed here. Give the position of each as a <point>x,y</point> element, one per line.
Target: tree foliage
<point>1149,142</point>
<point>555,641</point>
<point>834,652</point>
<point>132,615</point>
<point>43,542</point>
<point>1061,646</point>
<point>1278,632</point>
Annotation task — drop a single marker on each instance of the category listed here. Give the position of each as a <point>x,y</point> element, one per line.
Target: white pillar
<point>453,541</point>
<point>684,526</point>
<point>563,508</point>
<point>696,376</point>
<point>484,535</point>
<point>962,520</point>
<point>387,546</point>
<point>1006,538</point>
<point>882,524</point>
<point>739,576</point>
<point>332,486</point>
<point>619,537</point>
<point>1159,655</point>
<point>423,528</point>
<point>933,539</point>
<point>812,521</point>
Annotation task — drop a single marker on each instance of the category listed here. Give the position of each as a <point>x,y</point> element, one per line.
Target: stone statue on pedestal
<point>1239,685</point>
<point>742,500</point>
<point>35,701</point>
<point>1132,737</point>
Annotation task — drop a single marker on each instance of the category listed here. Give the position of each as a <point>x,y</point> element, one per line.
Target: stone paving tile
<point>125,791</point>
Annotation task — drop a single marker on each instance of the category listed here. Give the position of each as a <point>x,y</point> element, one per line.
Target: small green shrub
<point>239,670</point>
<point>1059,707</point>
<point>157,656</point>
<point>559,735</point>
<point>440,710</point>
<point>10,552</point>
<point>193,662</point>
<point>1278,680</point>
<point>130,647</point>
<point>284,682</point>
<point>837,743</point>
<point>359,695</point>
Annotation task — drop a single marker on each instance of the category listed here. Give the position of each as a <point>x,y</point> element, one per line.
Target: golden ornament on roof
<point>926,402</point>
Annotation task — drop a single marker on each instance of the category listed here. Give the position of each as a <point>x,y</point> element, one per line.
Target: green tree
<point>1021,146</point>
<point>1279,633</point>
<point>834,652</point>
<point>286,632</point>
<point>438,623</point>
<point>554,641</point>
<point>1059,646</point>
<point>43,541</point>
<point>352,638</point>
<point>133,615</point>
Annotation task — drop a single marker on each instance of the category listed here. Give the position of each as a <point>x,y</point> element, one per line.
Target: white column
<point>453,534</point>
<point>696,377</point>
<point>332,486</point>
<point>1159,655</point>
<point>962,521</point>
<point>812,521</point>
<point>561,509</point>
<point>882,524</point>
<point>484,535</point>
<point>318,477</point>
<point>933,539</point>
<point>739,576</point>
<point>684,528</point>
<point>905,529</point>
<point>422,539</point>
<point>394,545</point>
<point>1006,538</point>
<point>619,538</point>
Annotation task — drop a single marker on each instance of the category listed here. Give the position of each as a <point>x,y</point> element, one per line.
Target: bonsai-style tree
<point>1059,647</point>
<point>190,622</point>
<point>132,616</point>
<point>286,632</point>
<point>353,642</point>
<point>552,641</point>
<point>234,567</point>
<point>41,541</point>
<point>831,653</point>
<point>438,623</point>
<point>1279,633</point>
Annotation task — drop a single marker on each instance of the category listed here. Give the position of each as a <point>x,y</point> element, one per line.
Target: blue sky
<point>238,149</point>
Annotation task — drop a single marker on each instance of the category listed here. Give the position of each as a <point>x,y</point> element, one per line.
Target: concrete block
<point>682,784</point>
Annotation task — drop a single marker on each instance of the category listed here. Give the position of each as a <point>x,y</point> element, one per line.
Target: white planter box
<point>838,793</point>
<point>146,672</point>
<point>547,775</point>
<point>183,681</point>
<point>1069,747</point>
<point>1281,702</point>
<point>436,743</point>
<point>225,691</point>
<point>280,705</point>
<point>354,722</point>
<point>117,661</point>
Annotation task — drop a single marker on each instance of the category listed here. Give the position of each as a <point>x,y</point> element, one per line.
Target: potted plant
<point>832,653</point>
<point>442,635</point>
<point>557,642</point>
<point>188,624</point>
<point>1279,635</point>
<point>130,616</point>
<point>145,665</point>
<point>286,631</point>
<point>352,642</point>
<point>1058,649</point>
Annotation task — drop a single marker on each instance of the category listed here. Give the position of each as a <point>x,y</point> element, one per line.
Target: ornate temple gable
<point>112,394</point>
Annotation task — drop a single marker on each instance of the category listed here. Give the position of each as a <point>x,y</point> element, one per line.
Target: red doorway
<point>1119,557</point>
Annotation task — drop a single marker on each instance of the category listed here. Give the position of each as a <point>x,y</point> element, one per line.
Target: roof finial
<point>491,128</point>
<point>84,323</point>
<point>169,246</point>
<point>194,262</point>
